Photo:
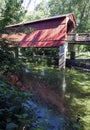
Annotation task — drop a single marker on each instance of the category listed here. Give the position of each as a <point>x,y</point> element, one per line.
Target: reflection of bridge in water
<point>47,89</point>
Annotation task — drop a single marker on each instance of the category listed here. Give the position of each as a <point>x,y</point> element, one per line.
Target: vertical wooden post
<point>72,51</point>
<point>72,55</point>
<point>62,56</point>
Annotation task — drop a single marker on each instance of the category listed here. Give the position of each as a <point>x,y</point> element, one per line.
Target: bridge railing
<point>78,37</point>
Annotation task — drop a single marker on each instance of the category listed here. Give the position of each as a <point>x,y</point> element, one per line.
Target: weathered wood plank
<point>80,38</point>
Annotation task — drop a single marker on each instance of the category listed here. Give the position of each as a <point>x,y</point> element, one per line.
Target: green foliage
<point>11,13</point>
<point>13,114</point>
<point>41,11</point>
<point>79,7</point>
<point>58,7</point>
<point>6,60</point>
<point>78,98</point>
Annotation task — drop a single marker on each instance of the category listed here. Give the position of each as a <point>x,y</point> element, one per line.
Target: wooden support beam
<point>72,55</point>
<point>71,49</point>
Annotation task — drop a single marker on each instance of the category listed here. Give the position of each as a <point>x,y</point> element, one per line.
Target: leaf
<point>11,126</point>
<point>25,115</point>
<point>76,126</point>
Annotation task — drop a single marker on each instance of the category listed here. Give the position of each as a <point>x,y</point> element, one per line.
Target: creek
<point>59,97</point>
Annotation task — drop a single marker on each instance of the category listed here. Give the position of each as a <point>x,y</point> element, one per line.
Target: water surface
<point>65,92</point>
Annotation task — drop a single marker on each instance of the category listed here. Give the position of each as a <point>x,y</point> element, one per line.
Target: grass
<point>83,55</point>
<point>78,96</point>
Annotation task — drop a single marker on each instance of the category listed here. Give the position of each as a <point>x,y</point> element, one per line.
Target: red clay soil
<point>13,79</point>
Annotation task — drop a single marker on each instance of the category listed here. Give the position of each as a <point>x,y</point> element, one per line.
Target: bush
<point>13,114</point>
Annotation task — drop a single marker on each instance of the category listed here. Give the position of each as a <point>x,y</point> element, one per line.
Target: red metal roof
<point>49,32</point>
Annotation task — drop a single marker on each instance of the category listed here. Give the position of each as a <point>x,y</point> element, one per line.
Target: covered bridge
<point>50,32</point>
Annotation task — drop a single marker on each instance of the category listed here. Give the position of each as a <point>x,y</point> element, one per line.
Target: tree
<point>79,7</point>
<point>40,11</point>
<point>10,13</point>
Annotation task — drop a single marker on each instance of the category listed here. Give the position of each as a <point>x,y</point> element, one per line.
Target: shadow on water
<point>66,93</point>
